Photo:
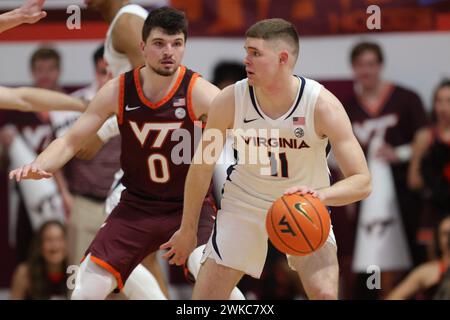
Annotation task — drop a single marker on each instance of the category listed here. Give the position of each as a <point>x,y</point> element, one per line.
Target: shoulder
<point>327,103</point>
<point>127,22</point>
<point>404,92</point>
<point>202,85</point>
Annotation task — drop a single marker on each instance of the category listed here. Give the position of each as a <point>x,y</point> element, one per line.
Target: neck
<point>52,267</point>
<point>373,90</point>
<point>155,86</point>
<point>278,96</point>
<point>110,12</point>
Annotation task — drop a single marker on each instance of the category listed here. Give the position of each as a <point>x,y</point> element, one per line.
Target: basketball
<point>298,224</point>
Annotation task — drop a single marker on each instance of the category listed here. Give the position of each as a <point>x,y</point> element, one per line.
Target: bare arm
<point>203,94</point>
<point>220,118</point>
<point>413,283</point>
<point>35,99</point>
<point>19,283</point>
<point>332,121</point>
<point>29,12</point>
<point>420,146</point>
<point>127,37</point>
<point>61,150</point>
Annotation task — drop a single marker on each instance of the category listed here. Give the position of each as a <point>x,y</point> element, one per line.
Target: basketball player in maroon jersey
<point>151,102</point>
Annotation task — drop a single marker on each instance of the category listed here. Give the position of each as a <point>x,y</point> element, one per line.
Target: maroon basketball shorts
<point>136,228</point>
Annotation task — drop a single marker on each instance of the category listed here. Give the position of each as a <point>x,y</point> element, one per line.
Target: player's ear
<point>142,45</point>
<point>284,57</point>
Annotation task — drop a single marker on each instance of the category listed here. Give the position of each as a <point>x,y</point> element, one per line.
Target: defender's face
<point>54,244</point>
<point>163,52</point>
<point>442,104</point>
<point>261,61</point>
<point>367,69</point>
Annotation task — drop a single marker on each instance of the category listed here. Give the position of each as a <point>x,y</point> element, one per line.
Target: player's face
<point>442,104</point>
<point>101,73</point>
<point>46,74</point>
<point>367,69</point>
<point>53,244</point>
<point>96,4</point>
<point>444,235</point>
<point>261,61</point>
<point>163,52</point>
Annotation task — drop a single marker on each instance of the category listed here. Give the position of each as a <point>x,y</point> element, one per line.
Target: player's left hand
<point>179,247</point>
<point>31,11</point>
<point>302,190</point>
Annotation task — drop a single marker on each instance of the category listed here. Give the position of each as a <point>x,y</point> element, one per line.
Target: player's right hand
<point>29,171</point>
<point>179,247</point>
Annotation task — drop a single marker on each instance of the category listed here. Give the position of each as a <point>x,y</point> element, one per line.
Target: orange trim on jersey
<point>121,98</point>
<point>190,105</point>
<point>110,269</point>
<point>148,103</point>
<point>374,109</point>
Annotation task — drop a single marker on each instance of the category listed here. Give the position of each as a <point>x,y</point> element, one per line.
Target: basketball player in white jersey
<point>305,116</point>
<point>29,12</point>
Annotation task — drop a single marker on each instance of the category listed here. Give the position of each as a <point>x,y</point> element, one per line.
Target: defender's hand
<point>179,247</point>
<point>29,171</point>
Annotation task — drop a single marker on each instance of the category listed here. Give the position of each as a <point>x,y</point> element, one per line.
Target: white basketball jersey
<point>118,63</point>
<point>287,150</point>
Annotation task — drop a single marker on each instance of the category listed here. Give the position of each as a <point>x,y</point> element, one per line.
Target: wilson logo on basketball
<point>288,228</point>
<point>300,209</point>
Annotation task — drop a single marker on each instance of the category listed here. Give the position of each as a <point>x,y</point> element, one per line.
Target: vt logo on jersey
<point>299,208</point>
<point>288,228</point>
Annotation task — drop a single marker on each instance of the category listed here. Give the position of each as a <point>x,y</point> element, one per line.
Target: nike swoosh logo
<point>128,108</point>
<point>251,120</point>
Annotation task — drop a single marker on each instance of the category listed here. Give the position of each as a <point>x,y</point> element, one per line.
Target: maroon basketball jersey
<point>399,115</point>
<point>147,129</point>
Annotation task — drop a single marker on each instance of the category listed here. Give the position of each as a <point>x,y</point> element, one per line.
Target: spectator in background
<point>427,277</point>
<point>43,275</point>
<point>385,118</point>
<point>429,170</point>
<point>45,66</point>
<point>88,181</point>
<point>34,131</point>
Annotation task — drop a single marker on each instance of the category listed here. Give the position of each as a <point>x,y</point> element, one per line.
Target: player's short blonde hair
<point>272,29</point>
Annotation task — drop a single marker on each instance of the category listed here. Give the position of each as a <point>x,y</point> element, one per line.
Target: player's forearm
<point>196,187</point>
<point>45,100</point>
<point>56,155</point>
<point>10,20</point>
<point>351,189</point>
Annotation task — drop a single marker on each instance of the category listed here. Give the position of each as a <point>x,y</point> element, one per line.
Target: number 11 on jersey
<point>280,158</point>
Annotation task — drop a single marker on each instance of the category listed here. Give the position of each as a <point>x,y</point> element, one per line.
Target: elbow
<point>367,186</point>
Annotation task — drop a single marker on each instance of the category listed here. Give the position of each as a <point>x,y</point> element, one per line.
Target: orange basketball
<point>298,224</point>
